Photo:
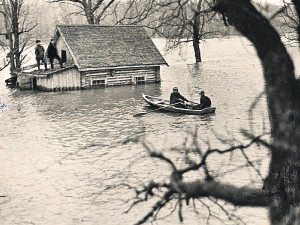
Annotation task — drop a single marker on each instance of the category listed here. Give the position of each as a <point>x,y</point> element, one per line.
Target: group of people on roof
<point>177,100</point>
<point>51,53</point>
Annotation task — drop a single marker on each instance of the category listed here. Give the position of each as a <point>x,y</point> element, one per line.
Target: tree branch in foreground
<point>179,190</point>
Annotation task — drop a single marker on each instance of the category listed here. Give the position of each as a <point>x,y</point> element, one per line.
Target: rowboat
<point>165,105</point>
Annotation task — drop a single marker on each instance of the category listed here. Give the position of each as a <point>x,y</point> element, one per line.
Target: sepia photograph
<point>162,112</point>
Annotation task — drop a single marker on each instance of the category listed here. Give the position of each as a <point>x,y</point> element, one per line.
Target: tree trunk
<point>196,44</point>
<point>6,8</point>
<point>87,7</point>
<point>90,18</point>
<point>283,182</point>
<point>15,27</point>
<point>11,54</point>
<point>196,29</point>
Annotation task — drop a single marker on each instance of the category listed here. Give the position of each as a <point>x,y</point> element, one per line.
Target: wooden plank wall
<point>61,45</point>
<point>24,82</point>
<point>64,80</point>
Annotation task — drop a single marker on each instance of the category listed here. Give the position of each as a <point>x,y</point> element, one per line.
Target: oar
<point>143,113</point>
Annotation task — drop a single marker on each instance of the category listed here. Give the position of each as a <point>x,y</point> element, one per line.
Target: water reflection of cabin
<point>97,56</point>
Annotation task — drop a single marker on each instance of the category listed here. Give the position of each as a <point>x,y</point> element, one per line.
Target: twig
<point>162,202</point>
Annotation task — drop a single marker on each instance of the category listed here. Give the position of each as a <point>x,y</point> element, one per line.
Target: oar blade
<point>139,114</point>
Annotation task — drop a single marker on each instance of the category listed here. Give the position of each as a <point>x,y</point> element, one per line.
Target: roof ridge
<point>95,25</point>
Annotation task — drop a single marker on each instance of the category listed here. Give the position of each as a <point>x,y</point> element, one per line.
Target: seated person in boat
<point>177,99</point>
<point>204,101</point>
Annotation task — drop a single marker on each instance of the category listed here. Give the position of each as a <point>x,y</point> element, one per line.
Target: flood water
<point>65,156</point>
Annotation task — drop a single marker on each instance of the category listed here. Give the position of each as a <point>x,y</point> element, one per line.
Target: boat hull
<point>165,105</point>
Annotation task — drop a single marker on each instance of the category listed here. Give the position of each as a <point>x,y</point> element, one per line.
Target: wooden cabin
<point>98,56</point>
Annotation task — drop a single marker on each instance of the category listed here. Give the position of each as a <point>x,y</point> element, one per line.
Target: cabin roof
<point>95,46</point>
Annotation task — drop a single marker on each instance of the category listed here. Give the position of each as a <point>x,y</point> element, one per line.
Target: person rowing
<point>205,101</point>
<point>177,99</point>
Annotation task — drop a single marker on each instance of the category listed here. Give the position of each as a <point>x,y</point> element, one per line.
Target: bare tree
<point>134,12</point>
<point>281,187</point>
<point>289,22</point>
<point>112,12</point>
<point>17,32</point>
<point>94,10</point>
<point>183,22</point>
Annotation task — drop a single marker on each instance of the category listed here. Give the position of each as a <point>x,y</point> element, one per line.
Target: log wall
<point>115,77</point>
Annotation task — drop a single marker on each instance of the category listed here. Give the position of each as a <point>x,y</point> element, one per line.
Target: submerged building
<point>98,56</point>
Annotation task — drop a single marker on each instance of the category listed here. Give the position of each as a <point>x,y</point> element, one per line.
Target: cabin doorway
<point>34,85</point>
<point>63,56</point>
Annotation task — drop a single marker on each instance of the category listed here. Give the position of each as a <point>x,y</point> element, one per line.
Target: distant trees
<point>181,22</point>
<point>289,22</point>
<point>184,21</point>
<point>94,10</point>
<point>134,12</point>
<point>17,32</point>
<point>280,192</point>
<point>113,12</point>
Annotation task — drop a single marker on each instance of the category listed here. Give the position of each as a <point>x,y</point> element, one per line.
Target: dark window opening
<point>63,56</point>
<point>100,83</point>
<point>140,80</point>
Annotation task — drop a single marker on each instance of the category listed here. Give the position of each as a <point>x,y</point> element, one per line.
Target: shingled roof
<point>95,46</point>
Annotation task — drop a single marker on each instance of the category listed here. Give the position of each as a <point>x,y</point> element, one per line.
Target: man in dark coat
<point>204,101</point>
<point>52,53</point>
<point>177,99</point>
<point>40,54</point>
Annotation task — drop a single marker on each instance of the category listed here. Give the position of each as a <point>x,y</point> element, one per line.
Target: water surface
<point>64,156</point>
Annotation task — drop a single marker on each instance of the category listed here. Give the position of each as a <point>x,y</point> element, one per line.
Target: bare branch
<point>5,65</point>
<point>160,156</point>
<point>211,151</point>
<point>159,204</point>
<point>103,10</point>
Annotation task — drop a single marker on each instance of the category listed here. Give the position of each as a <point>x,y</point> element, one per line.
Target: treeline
<point>47,15</point>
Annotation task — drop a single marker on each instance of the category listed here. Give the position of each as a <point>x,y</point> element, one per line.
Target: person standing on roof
<point>52,53</point>
<point>177,99</point>
<point>40,54</point>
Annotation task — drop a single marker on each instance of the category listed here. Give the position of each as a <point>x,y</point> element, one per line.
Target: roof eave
<point>85,69</point>
<point>68,46</point>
